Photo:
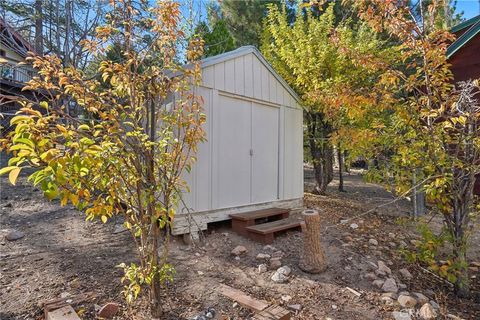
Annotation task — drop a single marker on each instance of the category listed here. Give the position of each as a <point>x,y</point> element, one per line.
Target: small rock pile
<point>394,294</point>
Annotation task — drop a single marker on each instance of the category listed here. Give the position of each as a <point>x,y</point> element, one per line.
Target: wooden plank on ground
<point>273,313</point>
<point>64,313</point>
<point>242,298</point>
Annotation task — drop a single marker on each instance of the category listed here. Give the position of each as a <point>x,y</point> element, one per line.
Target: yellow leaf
<point>104,219</point>
<point>13,175</point>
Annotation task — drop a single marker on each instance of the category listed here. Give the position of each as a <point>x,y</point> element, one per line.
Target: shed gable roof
<point>474,28</point>
<point>245,50</point>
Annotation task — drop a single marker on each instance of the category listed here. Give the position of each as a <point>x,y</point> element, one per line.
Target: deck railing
<point>21,74</point>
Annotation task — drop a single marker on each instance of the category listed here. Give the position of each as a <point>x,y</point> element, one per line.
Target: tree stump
<point>313,258</point>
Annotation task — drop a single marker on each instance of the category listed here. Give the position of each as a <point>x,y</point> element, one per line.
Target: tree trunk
<point>313,258</point>
<point>321,151</point>
<point>340,169</point>
<point>38,27</point>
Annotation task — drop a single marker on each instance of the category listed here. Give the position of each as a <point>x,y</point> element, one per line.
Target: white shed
<point>253,156</point>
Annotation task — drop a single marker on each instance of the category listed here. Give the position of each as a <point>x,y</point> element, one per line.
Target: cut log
<point>313,258</point>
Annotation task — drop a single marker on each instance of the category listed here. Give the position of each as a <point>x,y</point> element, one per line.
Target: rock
<point>285,270</point>
<point>435,305</point>
<point>392,244</point>
<point>378,283</point>
<point>382,267</point>
<point>387,301</point>
<point>334,307</point>
<point>392,235</point>
<point>263,256</point>
<point>405,274</point>
<point>109,310</point>
<point>475,264</point>
<point>275,263</point>
<point>407,301</point>
<point>397,315</point>
<point>281,275</point>
<point>277,254</point>
<point>237,258</point>
<point>391,295</point>
<point>390,285</point>
<point>205,315</point>
<point>295,307</point>
<point>370,276</point>
<point>239,250</point>
<point>262,268</point>
<point>380,273</point>
<point>402,286</point>
<point>354,226</point>
<point>279,278</point>
<point>421,298</point>
<point>414,242</point>
<point>269,247</point>
<point>14,235</point>
<point>373,242</point>
<point>64,295</point>
<point>402,244</point>
<point>286,298</point>
<point>427,312</point>
<point>343,221</point>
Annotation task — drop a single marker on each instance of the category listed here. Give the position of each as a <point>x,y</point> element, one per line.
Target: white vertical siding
<point>208,77</point>
<point>257,78</point>
<point>230,76</point>
<point>248,67</point>
<point>293,170</point>
<point>239,76</point>
<point>219,76</point>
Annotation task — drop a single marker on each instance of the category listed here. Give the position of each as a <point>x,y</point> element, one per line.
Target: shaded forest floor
<point>61,255</point>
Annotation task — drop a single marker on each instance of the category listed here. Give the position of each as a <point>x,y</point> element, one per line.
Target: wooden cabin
<point>464,56</point>
<point>13,76</point>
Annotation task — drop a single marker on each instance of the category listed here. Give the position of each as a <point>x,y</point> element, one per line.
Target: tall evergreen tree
<point>218,38</point>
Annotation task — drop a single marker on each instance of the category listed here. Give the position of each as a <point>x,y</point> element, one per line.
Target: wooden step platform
<point>240,221</point>
<point>265,232</point>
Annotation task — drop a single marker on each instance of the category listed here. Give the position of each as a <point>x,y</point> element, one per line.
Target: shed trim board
<point>253,156</point>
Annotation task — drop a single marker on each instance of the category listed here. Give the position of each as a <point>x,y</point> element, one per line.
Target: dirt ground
<point>61,255</point>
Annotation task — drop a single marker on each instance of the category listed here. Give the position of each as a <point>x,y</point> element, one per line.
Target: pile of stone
<point>395,294</point>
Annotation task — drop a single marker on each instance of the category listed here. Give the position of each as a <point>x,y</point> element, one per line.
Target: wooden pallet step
<point>275,226</point>
<point>242,220</point>
<point>265,232</point>
<point>259,214</point>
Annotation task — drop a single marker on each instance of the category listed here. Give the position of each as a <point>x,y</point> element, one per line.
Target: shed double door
<point>247,151</point>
